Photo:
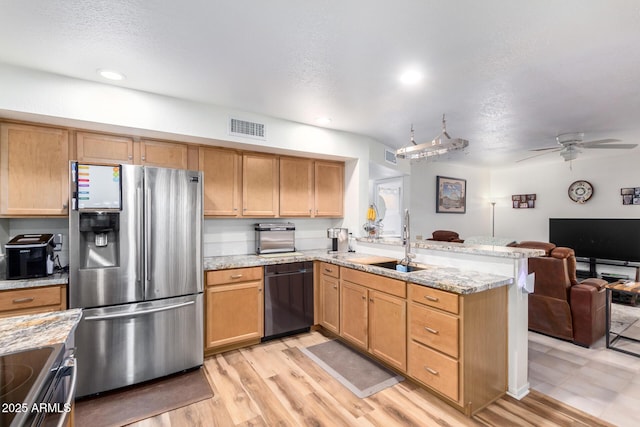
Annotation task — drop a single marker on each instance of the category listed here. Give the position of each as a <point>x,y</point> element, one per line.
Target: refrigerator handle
<point>139,313</point>
<point>139,236</point>
<point>147,238</point>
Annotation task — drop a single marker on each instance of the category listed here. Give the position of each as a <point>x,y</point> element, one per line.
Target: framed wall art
<point>630,196</point>
<point>451,195</point>
<point>523,201</point>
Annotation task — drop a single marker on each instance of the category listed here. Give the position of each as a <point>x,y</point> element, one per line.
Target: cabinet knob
<point>130,157</point>
<point>144,158</point>
<point>335,286</point>
<point>370,299</point>
<point>65,205</point>
<point>363,297</point>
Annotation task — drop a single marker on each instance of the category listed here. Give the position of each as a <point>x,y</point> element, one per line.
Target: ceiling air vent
<point>390,156</point>
<point>248,129</point>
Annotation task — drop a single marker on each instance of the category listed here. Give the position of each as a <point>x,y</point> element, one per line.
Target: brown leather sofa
<point>561,306</point>
<point>446,236</point>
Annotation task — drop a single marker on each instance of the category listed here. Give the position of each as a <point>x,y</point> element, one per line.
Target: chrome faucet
<point>406,239</point>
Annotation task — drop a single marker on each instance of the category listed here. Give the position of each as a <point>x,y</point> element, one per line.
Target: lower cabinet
<point>458,344</point>
<point>373,315</point>
<point>329,296</point>
<point>18,302</point>
<point>234,307</point>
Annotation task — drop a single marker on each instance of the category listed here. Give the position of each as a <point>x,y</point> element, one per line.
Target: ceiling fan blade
<point>597,142</point>
<point>619,146</point>
<point>544,149</point>
<point>537,155</point>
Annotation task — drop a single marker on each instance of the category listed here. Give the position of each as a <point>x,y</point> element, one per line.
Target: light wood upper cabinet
<point>34,170</point>
<point>260,185</point>
<point>164,154</point>
<point>101,148</point>
<point>329,189</point>
<point>296,186</point>
<point>222,181</point>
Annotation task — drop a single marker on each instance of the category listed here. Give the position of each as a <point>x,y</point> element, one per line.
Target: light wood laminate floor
<point>275,384</point>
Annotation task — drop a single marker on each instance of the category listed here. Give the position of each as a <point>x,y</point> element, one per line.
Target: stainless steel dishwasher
<point>288,299</point>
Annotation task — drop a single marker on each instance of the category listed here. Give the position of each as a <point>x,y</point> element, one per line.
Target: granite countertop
<point>494,247</point>
<point>37,330</point>
<point>54,279</point>
<point>460,281</point>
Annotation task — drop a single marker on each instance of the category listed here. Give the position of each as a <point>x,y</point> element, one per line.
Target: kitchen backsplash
<point>221,236</point>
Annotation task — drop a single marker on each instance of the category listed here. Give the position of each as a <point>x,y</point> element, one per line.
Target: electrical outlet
<point>419,237</point>
<point>57,241</point>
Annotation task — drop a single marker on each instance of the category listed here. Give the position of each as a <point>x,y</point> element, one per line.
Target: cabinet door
<point>330,303</point>
<point>163,154</point>
<point>296,187</point>
<point>354,314</point>
<point>98,148</point>
<point>259,185</point>
<point>329,188</point>
<point>221,181</point>
<point>234,313</point>
<point>34,170</point>
<point>388,328</point>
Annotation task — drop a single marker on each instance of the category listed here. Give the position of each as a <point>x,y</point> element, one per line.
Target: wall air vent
<point>390,156</point>
<point>244,128</point>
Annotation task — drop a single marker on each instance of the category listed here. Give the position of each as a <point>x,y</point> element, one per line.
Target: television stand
<point>593,262</point>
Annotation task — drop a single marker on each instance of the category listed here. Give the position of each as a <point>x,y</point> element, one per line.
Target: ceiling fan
<point>571,144</point>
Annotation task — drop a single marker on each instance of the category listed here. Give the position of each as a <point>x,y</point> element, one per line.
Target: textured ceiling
<point>510,75</point>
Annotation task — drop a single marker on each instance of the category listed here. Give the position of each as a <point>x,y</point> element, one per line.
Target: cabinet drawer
<point>435,298</point>
<point>434,369</point>
<point>29,298</point>
<point>373,281</point>
<point>435,329</point>
<point>330,270</point>
<point>234,275</point>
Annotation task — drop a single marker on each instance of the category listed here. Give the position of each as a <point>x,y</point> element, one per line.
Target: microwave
<point>29,255</point>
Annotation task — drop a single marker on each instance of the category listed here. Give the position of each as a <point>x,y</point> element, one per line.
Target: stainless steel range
<point>136,269</point>
<point>36,386</point>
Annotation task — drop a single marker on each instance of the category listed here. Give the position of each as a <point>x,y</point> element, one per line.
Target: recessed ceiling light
<point>323,121</point>
<point>111,74</point>
<point>410,77</point>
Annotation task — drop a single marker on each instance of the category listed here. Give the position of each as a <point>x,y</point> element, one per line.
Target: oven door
<point>56,402</point>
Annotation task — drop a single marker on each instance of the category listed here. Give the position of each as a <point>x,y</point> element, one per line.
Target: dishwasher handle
<point>284,273</point>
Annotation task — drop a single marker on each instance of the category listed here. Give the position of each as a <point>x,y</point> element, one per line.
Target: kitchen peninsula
<point>482,288</point>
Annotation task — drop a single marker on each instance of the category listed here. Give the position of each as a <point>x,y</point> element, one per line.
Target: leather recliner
<point>560,306</point>
<point>446,236</point>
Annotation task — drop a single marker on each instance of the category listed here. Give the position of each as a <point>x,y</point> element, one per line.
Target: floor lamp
<point>493,219</point>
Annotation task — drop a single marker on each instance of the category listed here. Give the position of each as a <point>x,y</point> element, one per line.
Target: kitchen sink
<point>391,265</point>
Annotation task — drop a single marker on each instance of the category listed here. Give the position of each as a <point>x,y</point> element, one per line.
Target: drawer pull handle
<point>431,371</point>
<point>23,300</point>
<point>236,276</point>
<point>430,298</point>
<point>328,270</point>
<point>433,331</point>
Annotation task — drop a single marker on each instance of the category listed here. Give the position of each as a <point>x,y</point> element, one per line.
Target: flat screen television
<point>601,238</point>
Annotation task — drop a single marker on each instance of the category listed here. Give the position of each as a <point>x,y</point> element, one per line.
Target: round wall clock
<point>580,191</point>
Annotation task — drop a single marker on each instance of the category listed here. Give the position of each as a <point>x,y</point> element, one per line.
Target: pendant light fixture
<point>441,144</point>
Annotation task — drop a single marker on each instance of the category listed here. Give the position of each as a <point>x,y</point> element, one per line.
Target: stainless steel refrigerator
<point>135,251</point>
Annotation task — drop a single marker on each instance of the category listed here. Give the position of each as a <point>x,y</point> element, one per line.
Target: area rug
<point>135,403</point>
<point>623,316</point>
<point>360,374</point>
